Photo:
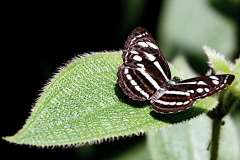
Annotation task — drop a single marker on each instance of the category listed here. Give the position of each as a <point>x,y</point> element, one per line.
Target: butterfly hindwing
<point>180,96</point>
<point>204,86</point>
<point>172,101</point>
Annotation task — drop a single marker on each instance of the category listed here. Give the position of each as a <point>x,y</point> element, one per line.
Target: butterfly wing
<point>144,68</point>
<point>180,96</point>
<point>141,51</point>
<point>204,86</point>
<point>173,100</point>
<point>136,83</point>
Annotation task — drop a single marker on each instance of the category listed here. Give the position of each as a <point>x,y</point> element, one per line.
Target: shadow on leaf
<point>123,98</point>
<point>178,117</point>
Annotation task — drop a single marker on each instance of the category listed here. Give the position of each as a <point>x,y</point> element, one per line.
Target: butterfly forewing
<point>141,51</point>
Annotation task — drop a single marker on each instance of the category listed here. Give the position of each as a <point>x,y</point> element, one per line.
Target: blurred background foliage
<point>40,37</point>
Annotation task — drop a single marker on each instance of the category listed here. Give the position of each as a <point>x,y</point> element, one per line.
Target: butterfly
<point>145,76</point>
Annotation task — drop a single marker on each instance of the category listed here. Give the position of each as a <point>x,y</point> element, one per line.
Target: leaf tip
<point>217,61</point>
<point>9,139</point>
<point>211,52</point>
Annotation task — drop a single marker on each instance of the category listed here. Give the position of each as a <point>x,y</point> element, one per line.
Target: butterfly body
<point>145,76</point>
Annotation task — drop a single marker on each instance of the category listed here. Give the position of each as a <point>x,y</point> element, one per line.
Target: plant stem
<point>215,138</point>
<point>226,104</point>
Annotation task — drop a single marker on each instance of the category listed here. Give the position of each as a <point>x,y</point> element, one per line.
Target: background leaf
<point>133,10</point>
<point>82,104</point>
<point>190,140</point>
<point>183,67</point>
<point>140,151</point>
<point>187,25</point>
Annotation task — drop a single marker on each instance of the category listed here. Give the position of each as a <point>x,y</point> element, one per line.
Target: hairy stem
<point>226,101</point>
<point>215,138</point>
<point>217,115</point>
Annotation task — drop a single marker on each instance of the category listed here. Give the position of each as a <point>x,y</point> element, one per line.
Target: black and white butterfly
<point>145,76</point>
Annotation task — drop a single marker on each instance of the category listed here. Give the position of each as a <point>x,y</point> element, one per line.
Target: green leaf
<point>236,72</point>
<point>217,61</point>
<point>187,25</point>
<point>82,104</point>
<point>221,65</point>
<point>190,140</point>
<point>237,67</point>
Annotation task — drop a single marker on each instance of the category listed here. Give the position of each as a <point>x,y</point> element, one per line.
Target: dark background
<point>37,38</point>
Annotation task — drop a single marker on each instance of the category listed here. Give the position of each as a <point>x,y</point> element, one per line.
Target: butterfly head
<point>173,81</point>
<point>176,79</point>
